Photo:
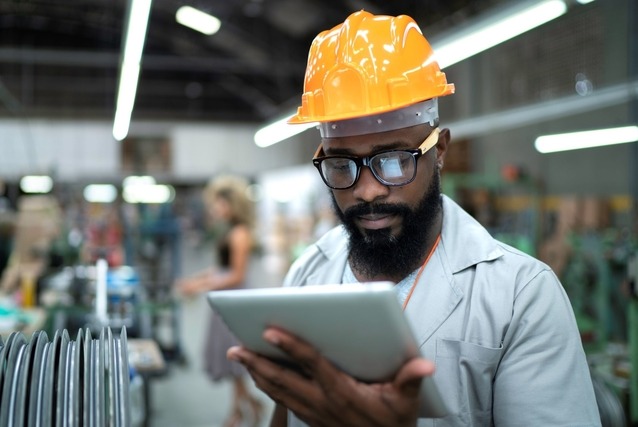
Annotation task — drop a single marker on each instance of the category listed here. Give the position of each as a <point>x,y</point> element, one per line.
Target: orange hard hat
<point>369,65</point>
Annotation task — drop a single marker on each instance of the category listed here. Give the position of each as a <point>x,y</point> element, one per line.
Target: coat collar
<point>465,241</point>
<point>334,247</point>
<point>462,249</point>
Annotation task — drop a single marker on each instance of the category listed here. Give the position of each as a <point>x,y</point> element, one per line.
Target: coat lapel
<point>435,297</point>
<point>464,243</point>
<point>334,247</point>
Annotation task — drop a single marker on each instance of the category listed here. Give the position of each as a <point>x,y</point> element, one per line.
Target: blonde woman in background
<point>232,212</point>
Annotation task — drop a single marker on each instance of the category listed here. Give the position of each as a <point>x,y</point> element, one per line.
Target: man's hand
<point>322,395</point>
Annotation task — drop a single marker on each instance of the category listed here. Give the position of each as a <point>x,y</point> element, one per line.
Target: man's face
<point>389,227</point>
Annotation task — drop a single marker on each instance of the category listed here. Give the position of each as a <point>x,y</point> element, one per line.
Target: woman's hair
<point>234,190</point>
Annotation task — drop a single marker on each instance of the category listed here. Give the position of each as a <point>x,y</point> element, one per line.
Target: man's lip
<point>375,221</point>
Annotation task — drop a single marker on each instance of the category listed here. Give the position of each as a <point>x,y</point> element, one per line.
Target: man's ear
<point>442,146</point>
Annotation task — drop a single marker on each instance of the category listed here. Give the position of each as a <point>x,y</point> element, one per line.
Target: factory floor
<point>184,396</point>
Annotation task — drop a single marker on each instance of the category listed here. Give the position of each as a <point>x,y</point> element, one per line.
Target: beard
<point>376,253</point>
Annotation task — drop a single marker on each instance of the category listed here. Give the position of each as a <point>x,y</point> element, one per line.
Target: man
<point>495,322</point>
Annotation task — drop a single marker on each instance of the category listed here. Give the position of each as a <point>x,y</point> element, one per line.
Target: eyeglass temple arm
<point>319,151</point>
<point>429,142</point>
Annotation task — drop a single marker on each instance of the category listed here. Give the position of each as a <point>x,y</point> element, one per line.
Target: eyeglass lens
<point>392,168</point>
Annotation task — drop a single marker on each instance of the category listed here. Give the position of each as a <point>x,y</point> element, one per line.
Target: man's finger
<point>409,378</point>
<point>278,381</point>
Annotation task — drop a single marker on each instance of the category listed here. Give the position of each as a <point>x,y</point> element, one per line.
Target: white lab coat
<point>496,322</point>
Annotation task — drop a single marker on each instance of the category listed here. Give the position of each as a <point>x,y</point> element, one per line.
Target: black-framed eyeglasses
<point>392,167</point>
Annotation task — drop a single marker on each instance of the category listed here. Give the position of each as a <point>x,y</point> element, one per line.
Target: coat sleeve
<point>543,378</point>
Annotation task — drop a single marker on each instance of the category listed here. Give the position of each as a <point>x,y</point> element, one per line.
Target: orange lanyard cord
<point>418,275</point>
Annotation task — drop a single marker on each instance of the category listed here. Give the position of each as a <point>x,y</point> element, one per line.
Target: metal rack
<point>65,382</point>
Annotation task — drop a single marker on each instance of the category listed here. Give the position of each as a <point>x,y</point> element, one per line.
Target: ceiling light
<point>100,193</point>
<point>130,66</point>
<point>36,184</point>
<point>197,20</point>
<point>135,180</point>
<point>155,193</point>
<point>496,27</point>
<point>278,131</point>
<point>586,139</point>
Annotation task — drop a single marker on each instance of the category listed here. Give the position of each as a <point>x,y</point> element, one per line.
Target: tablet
<point>360,328</point>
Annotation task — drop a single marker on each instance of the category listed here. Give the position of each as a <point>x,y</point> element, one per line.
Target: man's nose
<point>368,188</point>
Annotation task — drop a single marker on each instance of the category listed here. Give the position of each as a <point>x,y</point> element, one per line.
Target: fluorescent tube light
<point>497,27</point>
<point>278,131</point>
<point>36,184</point>
<point>155,193</point>
<point>130,67</point>
<point>125,100</point>
<point>197,20</point>
<point>100,193</point>
<point>135,180</point>
<point>586,139</point>
<point>144,189</point>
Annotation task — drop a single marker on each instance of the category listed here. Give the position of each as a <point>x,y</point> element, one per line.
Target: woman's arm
<point>240,243</point>
<point>192,284</point>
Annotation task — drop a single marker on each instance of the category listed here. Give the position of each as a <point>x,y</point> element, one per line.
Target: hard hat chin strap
<point>412,115</point>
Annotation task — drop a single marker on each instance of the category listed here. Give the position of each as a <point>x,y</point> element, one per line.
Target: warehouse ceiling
<point>60,58</point>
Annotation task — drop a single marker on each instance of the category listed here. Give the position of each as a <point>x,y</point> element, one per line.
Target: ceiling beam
<point>93,59</point>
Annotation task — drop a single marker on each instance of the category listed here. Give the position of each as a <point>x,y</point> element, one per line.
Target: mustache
<point>375,208</point>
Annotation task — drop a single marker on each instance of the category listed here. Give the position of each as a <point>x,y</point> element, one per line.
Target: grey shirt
<point>496,322</point>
